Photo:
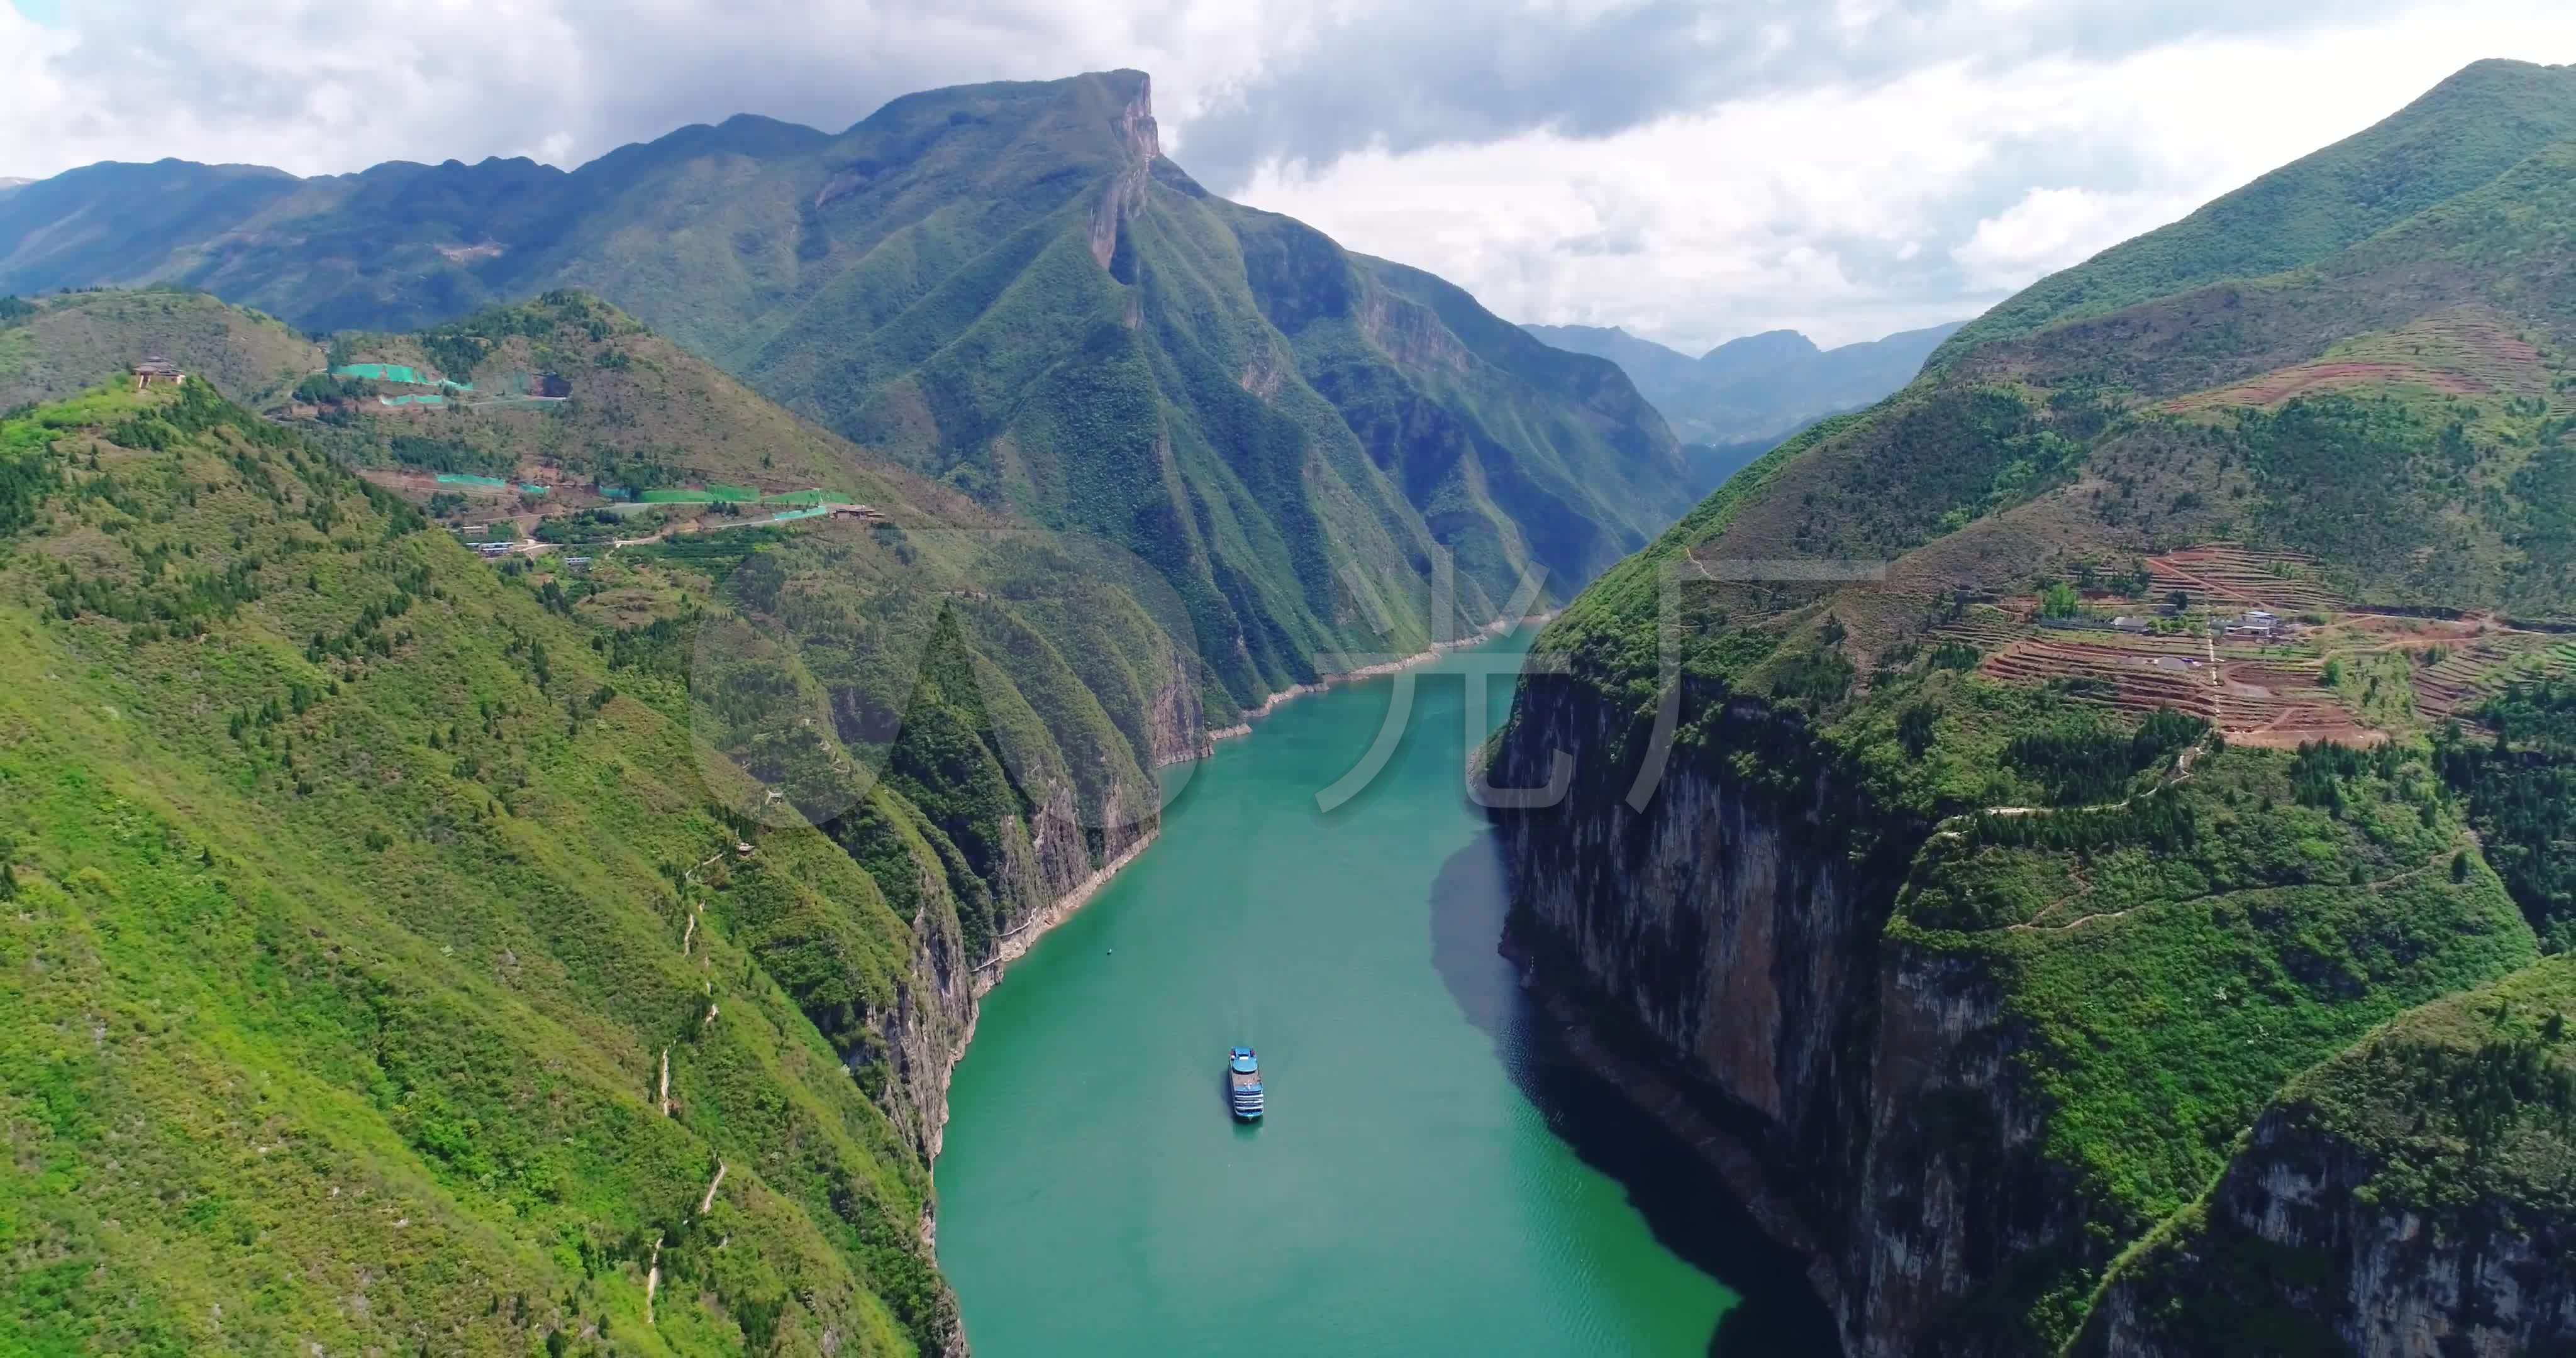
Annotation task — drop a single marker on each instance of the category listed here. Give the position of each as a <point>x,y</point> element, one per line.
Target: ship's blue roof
<point>1243,1061</point>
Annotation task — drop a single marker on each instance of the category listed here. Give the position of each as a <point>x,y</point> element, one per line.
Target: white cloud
<point>1691,169</point>
<point>2050,229</point>
<point>1855,210</point>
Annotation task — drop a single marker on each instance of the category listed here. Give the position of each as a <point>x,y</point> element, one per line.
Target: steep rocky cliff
<point>2411,1225</point>
<point>1959,1088</point>
<point>1987,805</point>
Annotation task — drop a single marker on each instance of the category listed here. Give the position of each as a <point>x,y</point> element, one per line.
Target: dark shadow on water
<point>1690,1214</point>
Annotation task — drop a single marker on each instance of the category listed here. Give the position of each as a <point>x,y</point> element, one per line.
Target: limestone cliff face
<point>1047,871</point>
<point>1952,1187</point>
<point>1736,945</point>
<point>2292,1225</point>
<point>1727,952</point>
<point>1710,936</point>
<point>1728,936</point>
<point>1140,143</point>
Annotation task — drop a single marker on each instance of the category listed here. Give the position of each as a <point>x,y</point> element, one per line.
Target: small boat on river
<point>1243,1084</point>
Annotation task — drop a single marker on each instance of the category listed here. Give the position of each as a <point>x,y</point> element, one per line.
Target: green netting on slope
<point>675,495</point>
<point>463,479</point>
<point>396,372</point>
<point>805,497</point>
<point>784,515</point>
<point>412,398</point>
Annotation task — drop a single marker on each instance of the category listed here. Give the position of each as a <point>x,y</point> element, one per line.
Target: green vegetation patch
<point>2521,791</point>
<point>2459,1117</point>
<point>347,880</point>
<point>2171,971</point>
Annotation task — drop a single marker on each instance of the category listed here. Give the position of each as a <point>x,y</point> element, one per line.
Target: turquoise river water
<point>1434,1176</point>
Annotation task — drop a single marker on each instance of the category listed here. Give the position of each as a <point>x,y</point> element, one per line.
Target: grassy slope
<point>2461,133</point>
<point>2019,457</point>
<point>72,342</point>
<point>341,969</point>
<point>2170,978</point>
<point>2059,419</point>
<point>2459,1112</point>
<point>642,412</point>
<point>1080,649</point>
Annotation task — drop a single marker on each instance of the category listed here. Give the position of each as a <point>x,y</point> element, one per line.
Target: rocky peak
<point>1136,121</point>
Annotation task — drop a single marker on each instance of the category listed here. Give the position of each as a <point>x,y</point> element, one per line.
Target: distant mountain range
<point>1758,388</point>
<point>434,874</point>
<point>1008,288</point>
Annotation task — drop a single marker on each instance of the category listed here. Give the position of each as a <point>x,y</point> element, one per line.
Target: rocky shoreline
<point>1488,632</point>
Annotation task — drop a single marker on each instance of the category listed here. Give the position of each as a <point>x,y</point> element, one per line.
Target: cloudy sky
<point>1689,170</point>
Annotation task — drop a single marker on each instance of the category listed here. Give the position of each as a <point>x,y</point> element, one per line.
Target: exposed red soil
<point>2224,573</point>
<point>2274,387</point>
<point>2252,702</point>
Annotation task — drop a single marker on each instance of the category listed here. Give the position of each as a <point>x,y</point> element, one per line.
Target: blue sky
<point>1690,170</point>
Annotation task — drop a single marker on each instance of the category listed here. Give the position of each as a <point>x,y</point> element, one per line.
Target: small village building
<point>157,369</point>
<point>2256,623</point>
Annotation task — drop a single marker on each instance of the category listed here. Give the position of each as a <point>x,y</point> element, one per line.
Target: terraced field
<point>2139,678</point>
<point>2461,351</point>
<point>2255,696</point>
<point>2225,573</point>
<point>2271,694</point>
<point>2267,693</point>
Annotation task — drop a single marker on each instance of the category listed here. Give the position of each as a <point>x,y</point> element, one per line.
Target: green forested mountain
<point>351,896</point>
<point>1755,387</point>
<point>61,346</point>
<point>405,942</point>
<point>2213,594</point>
<point>1007,288</point>
<point>577,942</point>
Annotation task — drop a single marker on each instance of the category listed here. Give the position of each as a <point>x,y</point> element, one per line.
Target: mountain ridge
<point>2472,126</point>
<point>1007,287</point>
<point>2169,572</point>
<point>1755,387</point>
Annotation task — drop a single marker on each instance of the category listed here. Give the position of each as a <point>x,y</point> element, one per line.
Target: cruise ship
<point>1243,1084</point>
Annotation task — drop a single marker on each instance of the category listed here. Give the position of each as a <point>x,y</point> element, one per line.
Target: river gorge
<point>1436,1173</point>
